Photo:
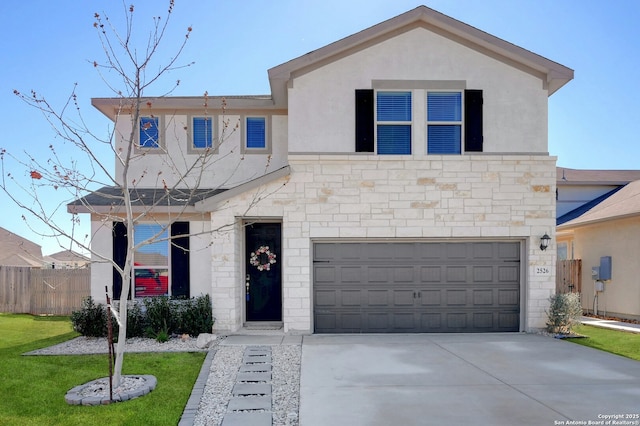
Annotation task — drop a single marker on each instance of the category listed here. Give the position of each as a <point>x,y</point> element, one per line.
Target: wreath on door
<point>262,258</point>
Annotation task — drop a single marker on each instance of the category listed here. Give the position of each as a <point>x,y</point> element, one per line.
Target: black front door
<point>263,282</point>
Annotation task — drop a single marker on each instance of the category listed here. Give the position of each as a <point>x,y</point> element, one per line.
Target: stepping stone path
<point>250,403</point>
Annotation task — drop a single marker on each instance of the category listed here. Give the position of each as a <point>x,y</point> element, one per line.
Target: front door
<point>263,278</point>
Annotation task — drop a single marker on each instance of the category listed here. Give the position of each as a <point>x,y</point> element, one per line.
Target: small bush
<point>160,314</point>
<point>564,312</point>
<point>150,318</point>
<point>194,316</point>
<point>91,319</point>
<point>136,321</point>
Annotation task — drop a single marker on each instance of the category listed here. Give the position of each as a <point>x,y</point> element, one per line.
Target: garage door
<point>444,287</point>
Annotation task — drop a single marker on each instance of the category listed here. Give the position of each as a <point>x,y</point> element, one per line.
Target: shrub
<point>160,315</point>
<point>194,316</point>
<point>564,312</point>
<point>153,317</point>
<point>136,320</point>
<point>91,319</point>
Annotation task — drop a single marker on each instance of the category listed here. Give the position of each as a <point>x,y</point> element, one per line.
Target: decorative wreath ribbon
<point>262,263</point>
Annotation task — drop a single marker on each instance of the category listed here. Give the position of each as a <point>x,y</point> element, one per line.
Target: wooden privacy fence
<point>569,276</point>
<point>43,291</point>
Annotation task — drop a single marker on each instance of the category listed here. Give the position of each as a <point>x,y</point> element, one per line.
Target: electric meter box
<point>595,273</point>
<point>605,268</point>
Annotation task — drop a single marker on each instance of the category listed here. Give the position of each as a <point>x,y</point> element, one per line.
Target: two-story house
<point>397,180</point>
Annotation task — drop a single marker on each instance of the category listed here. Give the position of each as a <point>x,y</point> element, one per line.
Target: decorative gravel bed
<point>285,379</point>
<point>285,384</point>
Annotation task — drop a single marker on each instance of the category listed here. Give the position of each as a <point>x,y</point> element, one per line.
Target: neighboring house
<point>18,251</point>
<point>608,225</point>
<point>66,259</point>
<point>397,180</point>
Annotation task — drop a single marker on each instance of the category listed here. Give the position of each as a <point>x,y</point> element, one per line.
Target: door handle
<point>247,283</point>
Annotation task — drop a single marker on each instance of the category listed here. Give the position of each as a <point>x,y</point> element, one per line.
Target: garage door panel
<point>456,274</point>
<point>417,287</point>
<point>377,275</point>
<point>378,297</point>
<point>324,274</point>
<point>483,298</point>
<point>430,274</point>
<point>509,297</point>
<point>403,298</point>
<point>350,297</point>
<point>456,297</point>
<point>483,274</point>
<point>325,298</point>
<point>510,273</point>
<point>430,298</point>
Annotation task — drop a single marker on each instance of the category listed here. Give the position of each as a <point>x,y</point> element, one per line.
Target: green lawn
<point>617,342</point>
<point>32,388</point>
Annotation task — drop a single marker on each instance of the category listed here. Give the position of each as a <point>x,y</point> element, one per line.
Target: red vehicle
<point>150,282</point>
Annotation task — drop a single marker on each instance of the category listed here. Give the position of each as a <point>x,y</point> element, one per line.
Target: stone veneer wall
<point>358,197</point>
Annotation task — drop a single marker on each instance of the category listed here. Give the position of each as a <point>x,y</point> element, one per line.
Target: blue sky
<point>49,45</point>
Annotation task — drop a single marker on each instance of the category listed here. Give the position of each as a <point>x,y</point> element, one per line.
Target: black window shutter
<point>119,256</point>
<point>364,120</point>
<point>473,121</point>
<point>180,260</point>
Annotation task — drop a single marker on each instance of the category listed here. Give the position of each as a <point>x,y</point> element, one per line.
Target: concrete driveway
<point>463,379</point>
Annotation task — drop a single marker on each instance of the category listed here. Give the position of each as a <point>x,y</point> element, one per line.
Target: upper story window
<point>444,122</point>
<point>255,135</point>
<point>393,122</point>
<point>202,132</point>
<point>149,132</point>
<point>454,118</point>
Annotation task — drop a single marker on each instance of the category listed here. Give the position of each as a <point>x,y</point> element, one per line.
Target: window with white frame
<point>444,122</point>
<point>160,268</point>
<point>453,117</point>
<point>149,132</point>
<point>151,260</point>
<point>393,122</point>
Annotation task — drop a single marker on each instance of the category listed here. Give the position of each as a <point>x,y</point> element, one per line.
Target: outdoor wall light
<point>544,242</point>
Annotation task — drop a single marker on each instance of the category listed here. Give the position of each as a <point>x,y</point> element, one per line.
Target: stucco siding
<point>322,107</point>
<point>619,239</point>
<point>102,270</point>
<point>226,168</point>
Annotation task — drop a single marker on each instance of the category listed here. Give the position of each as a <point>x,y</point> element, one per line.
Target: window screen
<point>256,132</point>
<point>444,122</point>
<point>149,133</point>
<point>202,132</point>
<point>394,122</point>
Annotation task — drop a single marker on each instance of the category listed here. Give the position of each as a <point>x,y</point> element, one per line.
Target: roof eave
<point>554,74</point>
<point>212,203</point>
<point>113,107</point>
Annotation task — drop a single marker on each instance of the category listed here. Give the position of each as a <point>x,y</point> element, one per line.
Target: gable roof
<point>552,74</point>
<point>565,176</point>
<point>621,204</point>
<point>68,256</point>
<point>18,251</point>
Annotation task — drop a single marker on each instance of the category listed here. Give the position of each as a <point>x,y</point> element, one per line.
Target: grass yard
<point>617,342</point>
<point>33,387</point>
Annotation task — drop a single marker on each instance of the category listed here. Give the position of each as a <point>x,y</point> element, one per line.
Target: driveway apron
<point>486,379</point>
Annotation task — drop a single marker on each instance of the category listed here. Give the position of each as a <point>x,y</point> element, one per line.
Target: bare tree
<point>129,71</point>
